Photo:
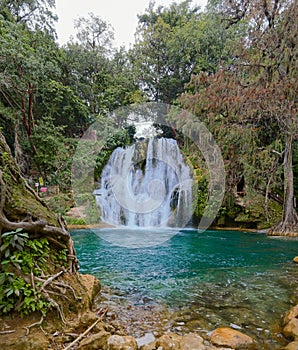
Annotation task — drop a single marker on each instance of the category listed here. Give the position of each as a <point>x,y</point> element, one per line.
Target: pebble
<point>235,326</point>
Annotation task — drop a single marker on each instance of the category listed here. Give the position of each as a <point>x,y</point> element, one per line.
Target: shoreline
<point>217,228</point>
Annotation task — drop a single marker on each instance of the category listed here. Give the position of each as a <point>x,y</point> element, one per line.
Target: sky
<point>122,15</point>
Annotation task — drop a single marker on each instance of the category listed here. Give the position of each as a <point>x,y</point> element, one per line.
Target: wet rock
<point>117,342</point>
<point>291,329</point>
<point>225,336</point>
<point>192,341</point>
<point>94,342</point>
<point>292,346</point>
<point>293,313</point>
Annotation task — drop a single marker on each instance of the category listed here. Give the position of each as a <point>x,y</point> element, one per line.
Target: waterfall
<point>147,184</point>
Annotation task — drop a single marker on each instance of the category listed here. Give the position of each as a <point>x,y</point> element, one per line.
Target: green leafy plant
<point>21,256</point>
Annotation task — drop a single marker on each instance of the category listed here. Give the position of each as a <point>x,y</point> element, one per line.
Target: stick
<point>86,332</point>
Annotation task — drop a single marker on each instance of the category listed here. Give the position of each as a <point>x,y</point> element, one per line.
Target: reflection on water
<point>195,281</point>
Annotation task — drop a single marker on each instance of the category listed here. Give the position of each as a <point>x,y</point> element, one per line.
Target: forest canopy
<point>233,65</point>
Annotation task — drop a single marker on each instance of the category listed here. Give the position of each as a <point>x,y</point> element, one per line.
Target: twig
<point>86,332</point>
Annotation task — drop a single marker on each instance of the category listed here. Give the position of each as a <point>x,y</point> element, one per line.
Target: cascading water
<point>146,184</point>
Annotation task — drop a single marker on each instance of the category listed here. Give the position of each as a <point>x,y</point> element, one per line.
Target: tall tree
<point>36,14</point>
<point>28,60</point>
<point>173,43</point>
<point>260,87</point>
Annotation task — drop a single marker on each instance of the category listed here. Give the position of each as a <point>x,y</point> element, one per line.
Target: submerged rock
<point>225,336</point>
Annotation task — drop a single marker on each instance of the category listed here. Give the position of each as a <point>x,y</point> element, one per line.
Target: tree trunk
<point>289,222</point>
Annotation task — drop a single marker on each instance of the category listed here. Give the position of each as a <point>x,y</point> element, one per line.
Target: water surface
<point>195,281</point>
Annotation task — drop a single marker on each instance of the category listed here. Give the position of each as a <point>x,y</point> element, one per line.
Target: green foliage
<point>175,42</point>
<point>20,257</point>
<point>54,156</point>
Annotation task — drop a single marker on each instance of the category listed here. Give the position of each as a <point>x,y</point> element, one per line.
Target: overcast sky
<point>122,15</point>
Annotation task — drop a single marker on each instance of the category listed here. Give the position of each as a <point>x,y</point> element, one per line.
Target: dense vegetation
<point>233,66</point>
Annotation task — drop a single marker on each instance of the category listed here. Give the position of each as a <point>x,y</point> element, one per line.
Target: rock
<point>293,313</point>
<point>147,338</point>
<point>118,342</point>
<point>225,336</point>
<point>292,346</point>
<point>291,329</point>
<point>295,260</point>
<point>169,341</point>
<point>87,319</point>
<point>92,285</point>
<point>94,342</point>
<point>192,341</point>
<point>150,346</point>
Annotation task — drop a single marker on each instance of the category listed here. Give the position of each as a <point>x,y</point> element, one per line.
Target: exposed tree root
<point>38,323</point>
<point>7,332</point>
<point>40,228</point>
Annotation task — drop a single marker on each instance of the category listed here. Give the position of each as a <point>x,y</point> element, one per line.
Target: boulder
<point>168,341</point>
<point>92,285</point>
<point>118,342</point>
<point>292,346</point>
<point>291,329</point>
<point>225,336</point>
<point>293,313</point>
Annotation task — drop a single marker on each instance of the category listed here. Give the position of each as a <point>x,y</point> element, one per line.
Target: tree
<point>35,14</point>
<point>259,88</point>
<point>173,43</point>
<point>28,60</point>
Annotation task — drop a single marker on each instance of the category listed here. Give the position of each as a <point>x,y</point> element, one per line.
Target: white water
<point>147,184</point>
